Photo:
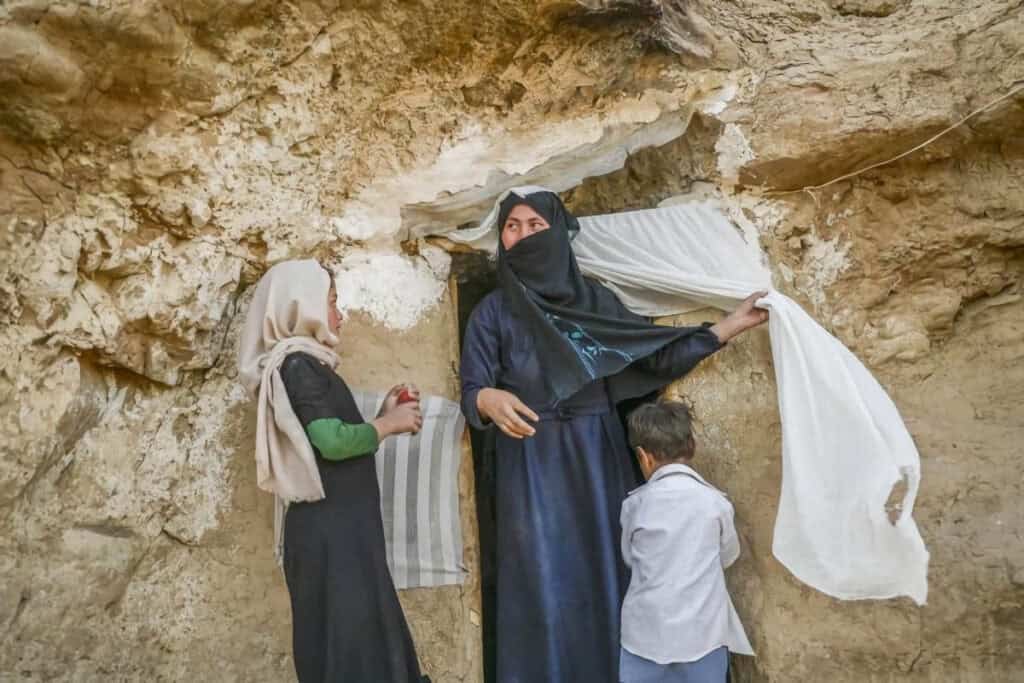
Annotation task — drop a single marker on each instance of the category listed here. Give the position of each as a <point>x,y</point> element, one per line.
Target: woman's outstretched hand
<point>742,319</point>
<point>504,409</point>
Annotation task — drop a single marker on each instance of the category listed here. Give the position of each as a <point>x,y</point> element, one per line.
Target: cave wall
<point>157,157</point>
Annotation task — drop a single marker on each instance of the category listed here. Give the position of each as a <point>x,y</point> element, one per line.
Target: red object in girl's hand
<point>404,396</point>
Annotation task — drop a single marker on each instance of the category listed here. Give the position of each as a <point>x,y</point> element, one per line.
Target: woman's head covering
<point>581,330</point>
<point>288,314</point>
<point>543,262</point>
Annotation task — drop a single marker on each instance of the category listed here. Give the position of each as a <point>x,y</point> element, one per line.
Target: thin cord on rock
<point>809,188</point>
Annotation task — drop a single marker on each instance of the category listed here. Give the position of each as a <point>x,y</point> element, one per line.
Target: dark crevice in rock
<point>178,540</point>
<point>83,413</point>
<point>107,529</point>
<point>870,9</point>
<point>20,609</point>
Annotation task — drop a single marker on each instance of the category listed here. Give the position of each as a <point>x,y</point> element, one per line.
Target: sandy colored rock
<point>156,158</point>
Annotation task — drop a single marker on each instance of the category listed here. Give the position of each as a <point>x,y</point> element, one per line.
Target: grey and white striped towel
<point>419,494</point>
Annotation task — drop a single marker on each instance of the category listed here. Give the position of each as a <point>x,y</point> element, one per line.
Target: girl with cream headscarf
<point>314,452</point>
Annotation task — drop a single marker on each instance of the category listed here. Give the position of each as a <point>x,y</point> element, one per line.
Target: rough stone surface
<point>157,157</point>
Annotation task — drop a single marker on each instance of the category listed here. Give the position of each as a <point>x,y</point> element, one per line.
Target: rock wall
<point>157,157</point>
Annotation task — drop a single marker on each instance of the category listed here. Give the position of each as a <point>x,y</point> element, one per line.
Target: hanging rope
<point>1019,87</point>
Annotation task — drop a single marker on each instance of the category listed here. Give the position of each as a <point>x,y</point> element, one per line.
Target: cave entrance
<point>475,277</point>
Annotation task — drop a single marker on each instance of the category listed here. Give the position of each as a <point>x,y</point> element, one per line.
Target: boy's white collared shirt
<point>677,538</point>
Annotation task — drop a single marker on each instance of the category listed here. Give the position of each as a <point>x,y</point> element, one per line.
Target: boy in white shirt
<point>678,622</point>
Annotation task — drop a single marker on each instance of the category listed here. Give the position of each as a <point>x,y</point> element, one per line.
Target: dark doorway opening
<point>475,278</point>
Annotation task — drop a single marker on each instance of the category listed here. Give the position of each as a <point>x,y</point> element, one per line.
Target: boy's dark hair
<point>663,429</point>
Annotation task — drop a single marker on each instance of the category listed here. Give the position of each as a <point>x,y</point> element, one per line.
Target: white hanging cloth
<point>844,445</point>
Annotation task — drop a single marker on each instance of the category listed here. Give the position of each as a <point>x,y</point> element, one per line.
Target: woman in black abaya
<point>546,359</point>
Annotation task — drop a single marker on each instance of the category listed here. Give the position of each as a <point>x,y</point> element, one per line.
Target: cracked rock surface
<point>157,157</point>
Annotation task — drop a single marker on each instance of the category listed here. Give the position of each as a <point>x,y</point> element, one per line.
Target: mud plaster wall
<point>157,157</point>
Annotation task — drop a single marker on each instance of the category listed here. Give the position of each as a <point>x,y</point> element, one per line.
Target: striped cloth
<point>419,494</point>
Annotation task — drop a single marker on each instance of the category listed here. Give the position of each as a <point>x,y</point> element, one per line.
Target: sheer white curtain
<point>844,445</point>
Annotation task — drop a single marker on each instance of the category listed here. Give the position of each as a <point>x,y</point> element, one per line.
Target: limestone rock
<point>156,158</point>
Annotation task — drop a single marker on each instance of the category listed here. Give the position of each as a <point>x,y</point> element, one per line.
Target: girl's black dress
<point>347,623</point>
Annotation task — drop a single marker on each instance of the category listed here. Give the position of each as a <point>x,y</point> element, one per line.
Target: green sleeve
<point>337,440</point>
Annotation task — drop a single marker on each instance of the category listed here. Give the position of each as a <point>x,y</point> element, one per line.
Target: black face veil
<point>581,330</point>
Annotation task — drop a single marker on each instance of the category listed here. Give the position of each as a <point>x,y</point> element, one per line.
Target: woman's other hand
<point>404,418</point>
<point>745,317</point>
<point>506,411</point>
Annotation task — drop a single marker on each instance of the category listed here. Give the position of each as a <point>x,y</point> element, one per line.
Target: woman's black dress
<point>558,494</point>
<point>348,626</point>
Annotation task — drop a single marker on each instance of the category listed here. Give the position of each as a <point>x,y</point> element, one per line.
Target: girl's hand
<point>391,400</point>
<point>504,409</point>
<point>745,317</point>
<point>401,419</point>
